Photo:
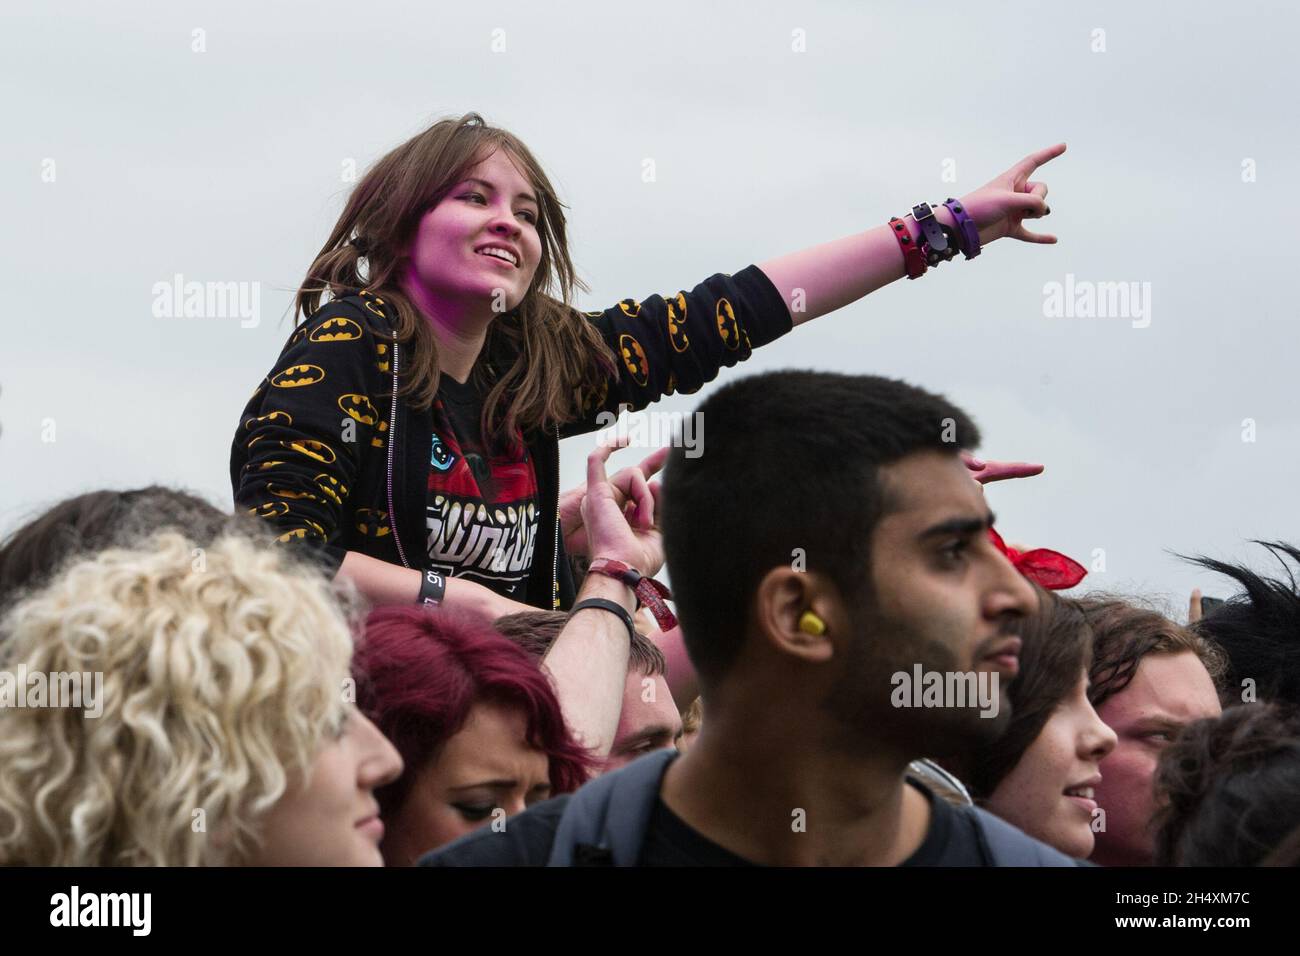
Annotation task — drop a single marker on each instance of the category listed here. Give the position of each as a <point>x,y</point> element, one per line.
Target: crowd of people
<point>407,645</point>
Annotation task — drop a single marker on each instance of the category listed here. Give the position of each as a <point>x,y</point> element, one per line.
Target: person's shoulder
<point>1010,846</point>
<point>522,840</point>
<point>347,318</point>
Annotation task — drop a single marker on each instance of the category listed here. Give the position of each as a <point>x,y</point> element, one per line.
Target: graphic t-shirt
<point>481,509</point>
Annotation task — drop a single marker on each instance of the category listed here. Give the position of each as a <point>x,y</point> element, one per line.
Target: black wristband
<point>613,607</point>
<point>432,589</point>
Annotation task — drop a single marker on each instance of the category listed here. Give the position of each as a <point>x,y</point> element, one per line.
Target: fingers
<point>637,492</point>
<point>656,493</point>
<point>596,477</point>
<point>1024,235</point>
<point>1038,189</point>
<point>1025,168</point>
<point>653,462</point>
<point>1028,205</point>
<point>1003,470</point>
<point>1194,607</point>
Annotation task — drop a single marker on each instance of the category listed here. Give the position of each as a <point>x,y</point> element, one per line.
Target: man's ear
<point>793,610</point>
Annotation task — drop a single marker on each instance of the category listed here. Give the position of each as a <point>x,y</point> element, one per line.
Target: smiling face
<point>486,766</point>
<point>493,206</point>
<point>1046,794</point>
<point>332,818</point>
<point>1167,692</point>
<point>945,598</point>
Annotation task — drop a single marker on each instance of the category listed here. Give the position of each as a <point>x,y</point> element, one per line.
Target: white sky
<point>225,165</point>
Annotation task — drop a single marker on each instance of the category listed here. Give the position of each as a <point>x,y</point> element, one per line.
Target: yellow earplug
<point>810,623</point>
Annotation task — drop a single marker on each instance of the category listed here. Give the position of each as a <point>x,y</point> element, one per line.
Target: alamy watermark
<point>960,689</point>
<point>179,299</point>
<point>82,690</point>
<point>653,429</point>
<point>1084,299</point>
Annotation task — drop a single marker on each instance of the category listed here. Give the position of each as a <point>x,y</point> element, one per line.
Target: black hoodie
<point>327,452</point>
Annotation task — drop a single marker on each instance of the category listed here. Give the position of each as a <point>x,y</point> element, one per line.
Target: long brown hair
<point>1057,647</point>
<point>543,360</point>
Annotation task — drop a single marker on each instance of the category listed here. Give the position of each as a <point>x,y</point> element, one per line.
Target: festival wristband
<point>968,235</point>
<point>913,256</point>
<point>648,591</point>
<point>432,589</point>
<point>613,607</point>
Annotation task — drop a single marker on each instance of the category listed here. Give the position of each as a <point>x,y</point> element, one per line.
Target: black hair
<point>789,468</point>
<point>1259,628</point>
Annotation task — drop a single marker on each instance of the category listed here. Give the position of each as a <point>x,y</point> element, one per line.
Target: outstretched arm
<point>836,273</point>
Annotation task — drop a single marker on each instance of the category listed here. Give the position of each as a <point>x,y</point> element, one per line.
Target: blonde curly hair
<point>224,672</point>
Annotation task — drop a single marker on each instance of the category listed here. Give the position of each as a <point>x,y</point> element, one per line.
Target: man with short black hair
<point>828,541</point>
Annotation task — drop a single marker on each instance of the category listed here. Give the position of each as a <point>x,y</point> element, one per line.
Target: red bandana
<point>1046,568</point>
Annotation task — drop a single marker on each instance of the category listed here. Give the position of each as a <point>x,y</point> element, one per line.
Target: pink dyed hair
<point>417,680</point>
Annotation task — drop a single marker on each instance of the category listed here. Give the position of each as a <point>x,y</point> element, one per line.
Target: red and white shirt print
<point>481,510</point>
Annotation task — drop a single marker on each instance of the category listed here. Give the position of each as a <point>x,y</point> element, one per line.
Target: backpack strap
<point>605,821</point>
<point>1009,846</point>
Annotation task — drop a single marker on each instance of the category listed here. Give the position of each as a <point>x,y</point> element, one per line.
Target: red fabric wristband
<point>649,592</point>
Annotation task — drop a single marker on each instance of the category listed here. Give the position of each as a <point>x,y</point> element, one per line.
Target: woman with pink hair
<point>477,723</point>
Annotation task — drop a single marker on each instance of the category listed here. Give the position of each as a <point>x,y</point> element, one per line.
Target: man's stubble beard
<point>860,699</point>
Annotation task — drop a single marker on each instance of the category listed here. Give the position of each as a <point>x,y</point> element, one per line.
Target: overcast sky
<point>213,141</point>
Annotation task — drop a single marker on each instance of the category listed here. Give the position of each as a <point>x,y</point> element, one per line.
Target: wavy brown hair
<point>1124,633</point>
<point>543,360</point>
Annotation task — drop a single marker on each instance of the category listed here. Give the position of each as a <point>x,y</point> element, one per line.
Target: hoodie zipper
<point>392,518</point>
<point>392,441</point>
<point>555,553</point>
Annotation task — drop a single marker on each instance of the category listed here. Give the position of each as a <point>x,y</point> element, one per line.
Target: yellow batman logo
<point>727,326</point>
<point>677,322</point>
<point>377,441</point>
<point>312,449</point>
<point>381,351</point>
<point>282,492</point>
<point>298,335</point>
<point>372,523</point>
<point>371,304</point>
<point>359,408</point>
<point>593,315</point>
<point>334,489</point>
<point>269,509</point>
<point>264,466</point>
<point>278,418</point>
<point>296,376</point>
<point>634,358</point>
<point>337,329</point>
<point>630,307</point>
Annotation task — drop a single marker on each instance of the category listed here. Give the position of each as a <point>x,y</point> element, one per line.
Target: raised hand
<point>1001,205</point>
<point>627,535</point>
<point>632,489</point>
